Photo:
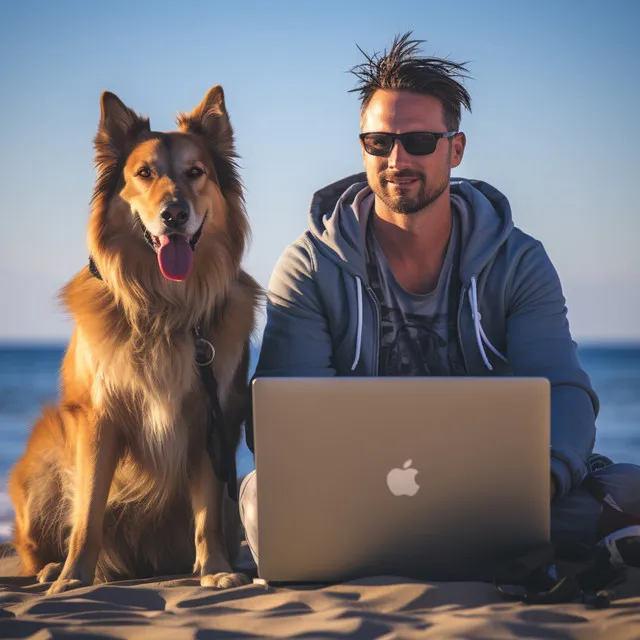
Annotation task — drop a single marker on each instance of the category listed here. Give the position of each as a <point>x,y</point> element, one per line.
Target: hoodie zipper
<point>376,348</point>
<point>460,343</point>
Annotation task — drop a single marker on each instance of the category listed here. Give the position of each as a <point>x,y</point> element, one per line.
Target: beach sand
<point>177,608</point>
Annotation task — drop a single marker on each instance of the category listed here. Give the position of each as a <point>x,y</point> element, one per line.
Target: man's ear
<point>458,144</point>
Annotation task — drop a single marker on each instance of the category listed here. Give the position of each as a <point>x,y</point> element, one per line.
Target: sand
<point>177,608</point>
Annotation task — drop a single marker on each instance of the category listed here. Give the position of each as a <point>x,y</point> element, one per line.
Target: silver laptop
<point>428,478</point>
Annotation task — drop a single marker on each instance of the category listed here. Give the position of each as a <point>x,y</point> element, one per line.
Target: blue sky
<point>554,125</point>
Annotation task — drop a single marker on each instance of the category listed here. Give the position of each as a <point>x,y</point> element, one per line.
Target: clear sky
<point>555,124</point>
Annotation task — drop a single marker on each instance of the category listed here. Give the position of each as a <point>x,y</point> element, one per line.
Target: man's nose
<point>398,156</point>
<point>175,214</point>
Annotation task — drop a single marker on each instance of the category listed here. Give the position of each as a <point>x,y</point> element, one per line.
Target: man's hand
<point>552,487</point>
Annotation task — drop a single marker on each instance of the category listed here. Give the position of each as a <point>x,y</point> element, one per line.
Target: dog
<point>122,478</point>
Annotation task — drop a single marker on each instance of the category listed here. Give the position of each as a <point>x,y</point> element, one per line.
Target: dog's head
<point>167,206</point>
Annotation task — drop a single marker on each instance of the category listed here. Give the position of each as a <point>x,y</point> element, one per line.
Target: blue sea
<point>29,379</point>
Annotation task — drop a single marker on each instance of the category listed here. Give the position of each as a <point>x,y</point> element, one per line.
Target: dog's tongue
<point>175,257</point>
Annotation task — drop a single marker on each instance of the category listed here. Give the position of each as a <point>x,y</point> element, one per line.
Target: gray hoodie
<point>324,320</point>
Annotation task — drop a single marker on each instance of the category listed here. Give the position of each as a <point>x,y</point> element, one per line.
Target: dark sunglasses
<point>417,143</point>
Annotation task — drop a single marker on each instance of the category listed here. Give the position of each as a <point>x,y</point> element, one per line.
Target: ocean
<point>29,379</point>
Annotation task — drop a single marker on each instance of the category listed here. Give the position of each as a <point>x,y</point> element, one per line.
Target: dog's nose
<point>175,214</point>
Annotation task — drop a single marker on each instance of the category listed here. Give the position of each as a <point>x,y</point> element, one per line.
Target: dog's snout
<point>175,214</point>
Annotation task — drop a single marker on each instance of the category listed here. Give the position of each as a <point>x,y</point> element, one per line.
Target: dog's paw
<point>50,572</point>
<point>224,580</point>
<point>61,585</point>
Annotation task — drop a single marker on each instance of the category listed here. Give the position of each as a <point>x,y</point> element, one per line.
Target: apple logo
<point>402,482</point>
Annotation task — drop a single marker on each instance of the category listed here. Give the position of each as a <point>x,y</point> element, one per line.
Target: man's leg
<point>575,516</point>
<point>248,499</point>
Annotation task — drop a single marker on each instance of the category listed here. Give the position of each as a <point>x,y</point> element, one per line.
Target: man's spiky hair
<point>401,69</point>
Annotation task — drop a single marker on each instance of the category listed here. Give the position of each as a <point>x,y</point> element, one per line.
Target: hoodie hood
<point>484,212</point>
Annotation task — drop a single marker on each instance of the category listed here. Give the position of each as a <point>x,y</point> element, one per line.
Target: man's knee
<point>579,514</point>
<point>249,511</point>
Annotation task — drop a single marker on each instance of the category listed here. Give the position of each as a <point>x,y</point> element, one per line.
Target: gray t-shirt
<point>418,331</point>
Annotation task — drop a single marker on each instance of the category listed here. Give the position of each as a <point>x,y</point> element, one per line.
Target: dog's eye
<point>143,172</point>
<point>195,172</point>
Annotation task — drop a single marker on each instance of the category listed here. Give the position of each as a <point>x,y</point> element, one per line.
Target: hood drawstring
<point>359,331</point>
<point>481,338</point>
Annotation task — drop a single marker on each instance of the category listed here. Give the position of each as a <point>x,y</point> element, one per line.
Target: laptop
<point>427,478</point>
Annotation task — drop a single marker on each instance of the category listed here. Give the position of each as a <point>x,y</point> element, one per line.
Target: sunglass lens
<point>419,144</point>
<point>378,144</point>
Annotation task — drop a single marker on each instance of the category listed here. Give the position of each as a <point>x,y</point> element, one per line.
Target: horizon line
<point>53,343</point>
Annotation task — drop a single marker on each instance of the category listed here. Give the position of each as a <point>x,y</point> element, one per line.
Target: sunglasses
<point>417,143</point>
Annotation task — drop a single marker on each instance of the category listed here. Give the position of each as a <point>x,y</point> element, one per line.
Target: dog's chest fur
<point>152,389</point>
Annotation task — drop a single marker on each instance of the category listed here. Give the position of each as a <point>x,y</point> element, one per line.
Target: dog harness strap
<point>216,438</point>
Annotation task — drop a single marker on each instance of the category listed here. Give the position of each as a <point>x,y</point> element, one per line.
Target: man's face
<point>408,183</point>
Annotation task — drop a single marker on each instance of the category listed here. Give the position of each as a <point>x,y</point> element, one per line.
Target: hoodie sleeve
<point>296,339</point>
<point>539,344</point>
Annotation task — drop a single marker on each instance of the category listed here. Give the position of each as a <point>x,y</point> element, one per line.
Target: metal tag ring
<point>205,352</point>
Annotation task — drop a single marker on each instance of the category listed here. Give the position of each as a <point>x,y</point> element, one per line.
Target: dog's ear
<point>118,129</point>
<point>211,121</point>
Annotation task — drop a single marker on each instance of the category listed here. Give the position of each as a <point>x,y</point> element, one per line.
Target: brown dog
<point>117,477</point>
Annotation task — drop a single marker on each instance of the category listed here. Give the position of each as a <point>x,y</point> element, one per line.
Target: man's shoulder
<point>315,253</point>
<point>302,251</point>
<point>519,243</point>
<point>520,237</point>
<point>306,258</point>
<point>521,256</point>
<point>523,261</point>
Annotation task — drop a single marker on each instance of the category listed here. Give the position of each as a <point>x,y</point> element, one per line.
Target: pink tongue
<point>175,257</point>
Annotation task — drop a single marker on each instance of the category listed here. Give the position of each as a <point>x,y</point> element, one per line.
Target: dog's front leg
<point>211,558</point>
<point>97,453</point>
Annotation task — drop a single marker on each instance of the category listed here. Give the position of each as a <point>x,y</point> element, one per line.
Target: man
<point>405,271</point>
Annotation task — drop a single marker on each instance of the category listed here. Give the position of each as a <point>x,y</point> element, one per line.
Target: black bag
<point>561,572</point>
